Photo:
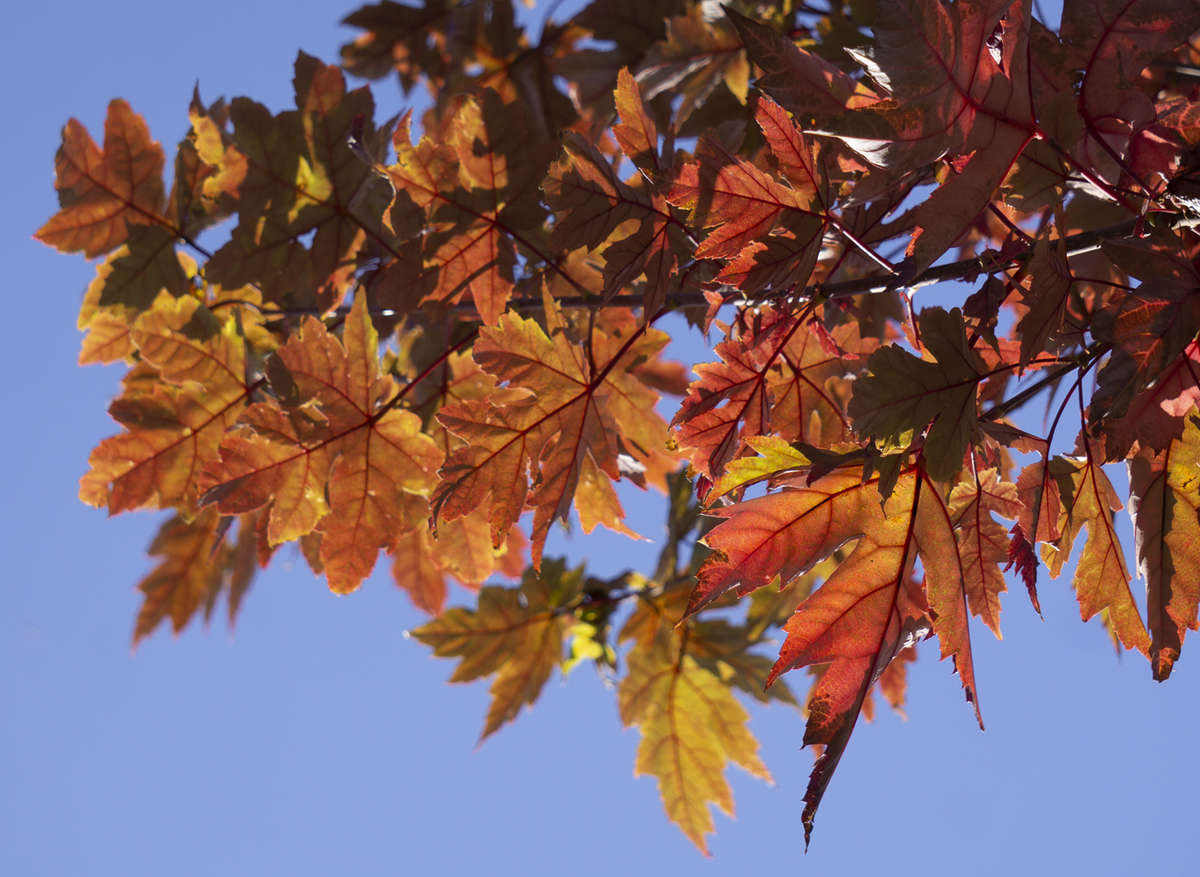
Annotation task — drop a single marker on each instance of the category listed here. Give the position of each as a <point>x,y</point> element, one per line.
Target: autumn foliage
<point>433,337</point>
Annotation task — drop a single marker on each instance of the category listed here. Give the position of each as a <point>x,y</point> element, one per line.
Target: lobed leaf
<point>1102,581</point>
<point>1164,504</point>
<point>514,634</point>
<point>868,609</point>
<point>904,395</point>
<point>341,458</point>
<point>561,421</point>
<point>101,192</point>
<point>691,727</point>
<point>175,406</point>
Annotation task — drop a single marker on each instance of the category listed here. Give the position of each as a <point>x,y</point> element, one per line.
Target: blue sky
<point>319,740</point>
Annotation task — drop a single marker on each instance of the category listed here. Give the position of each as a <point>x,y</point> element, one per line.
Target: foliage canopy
<point>437,346</point>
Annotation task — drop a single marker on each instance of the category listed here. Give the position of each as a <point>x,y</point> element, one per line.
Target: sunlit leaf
<point>1102,580</point>
<point>514,634</point>
<point>903,394</point>
<point>1164,501</point>
<point>101,192</point>
<point>691,727</point>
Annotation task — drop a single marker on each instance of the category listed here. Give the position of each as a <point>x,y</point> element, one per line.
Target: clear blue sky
<point>318,740</point>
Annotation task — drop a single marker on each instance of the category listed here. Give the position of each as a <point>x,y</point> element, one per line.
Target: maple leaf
<point>563,422</point>
<point>175,406</point>
<point>344,458</point>
<point>691,726</point>
<point>1165,505</point>
<point>592,207</point>
<point>959,83</point>
<point>103,191</point>
<point>867,610</point>
<point>903,395</point>
<point>743,205</point>
<point>775,377</point>
<point>1101,576</point>
<point>477,186</point>
<point>300,179</point>
<point>197,565</point>
<point>983,542</point>
<point>488,365</point>
<point>514,634</point>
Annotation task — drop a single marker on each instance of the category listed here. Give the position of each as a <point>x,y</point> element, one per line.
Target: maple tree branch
<point>967,269</point>
<point>610,598</point>
<point>962,270</point>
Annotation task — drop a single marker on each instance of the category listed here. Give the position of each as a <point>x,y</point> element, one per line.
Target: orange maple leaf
<point>562,430</point>
<point>102,192</point>
<point>691,726</point>
<point>983,542</point>
<point>340,456</point>
<point>1102,581</point>
<point>514,634</point>
<point>176,405</point>
<point>775,377</point>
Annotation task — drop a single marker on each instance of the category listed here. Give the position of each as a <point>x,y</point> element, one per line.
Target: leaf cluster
<point>440,335</point>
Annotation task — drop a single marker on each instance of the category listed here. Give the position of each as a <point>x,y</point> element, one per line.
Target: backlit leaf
<point>347,460</point>
<point>514,634</point>
<point>983,542</point>
<point>173,427</point>
<point>1164,500</point>
<point>198,563</point>
<point>529,449</point>
<point>867,610</point>
<point>1102,581</point>
<point>903,394</point>
<point>406,346</point>
<point>102,192</point>
<point>691,727</point>
<point>775,377</point>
